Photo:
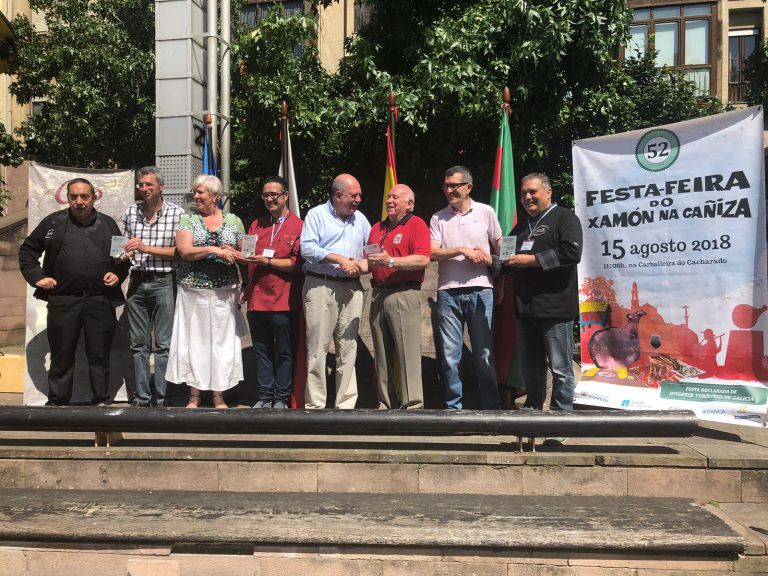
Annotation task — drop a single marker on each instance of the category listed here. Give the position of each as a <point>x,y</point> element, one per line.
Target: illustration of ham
<point>746,316</point>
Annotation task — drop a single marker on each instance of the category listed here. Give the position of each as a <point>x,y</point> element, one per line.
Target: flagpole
<point>392,118</point>
<point>207,161</point>
<point>208,127</point>
<point>506,98</point>
<point>284,140</point>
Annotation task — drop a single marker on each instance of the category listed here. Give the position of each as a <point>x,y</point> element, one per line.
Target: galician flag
<point>504,203</point>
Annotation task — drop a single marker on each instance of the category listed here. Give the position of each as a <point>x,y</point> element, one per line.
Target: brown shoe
<point>194,399</point>
<point>218,400</point>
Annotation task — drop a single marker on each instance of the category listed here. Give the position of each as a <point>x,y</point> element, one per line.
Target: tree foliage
<point>280,60</point>
<point>447,61</point>
<point>94,69</point>
<point>756,74</point>
<point>11,152</point>
<point>599,289</point>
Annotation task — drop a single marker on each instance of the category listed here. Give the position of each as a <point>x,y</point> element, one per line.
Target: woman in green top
<point>208,326</point>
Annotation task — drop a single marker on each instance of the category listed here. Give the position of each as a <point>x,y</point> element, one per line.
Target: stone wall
<point>13,230</point>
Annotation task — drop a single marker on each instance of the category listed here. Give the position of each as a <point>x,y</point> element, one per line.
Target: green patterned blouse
<point>211,271</point>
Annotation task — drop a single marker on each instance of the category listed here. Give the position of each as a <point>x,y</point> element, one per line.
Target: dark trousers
<point>67,316</point>
<point>271,337</point>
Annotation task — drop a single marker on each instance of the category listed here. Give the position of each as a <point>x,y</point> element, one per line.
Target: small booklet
<point>117,248</point>
<point>370,249</point>
<point>249,245</point>
<point>508,247</point>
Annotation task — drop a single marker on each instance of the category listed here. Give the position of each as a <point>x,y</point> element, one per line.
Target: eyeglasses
<point>141,185</point>
<point>270,195</point>
<point>453,185</point>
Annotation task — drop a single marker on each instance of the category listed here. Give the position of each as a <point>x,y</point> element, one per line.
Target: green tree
<point>279,61</point>
<point>756,74</point>
<point>11,154</point>
<point>447,61</point>
<point>94,69</point>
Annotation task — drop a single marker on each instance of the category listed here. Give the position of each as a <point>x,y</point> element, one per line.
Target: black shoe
<point>554,441</point>
<point>53,404</point>
<point>139,403</point>
<point>102,403</point>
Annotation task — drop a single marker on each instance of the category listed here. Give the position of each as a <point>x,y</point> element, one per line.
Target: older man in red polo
<point>398,272</point>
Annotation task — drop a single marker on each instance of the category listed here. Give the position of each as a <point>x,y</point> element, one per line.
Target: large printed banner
<point>48,193</point>
<point>672,281</point>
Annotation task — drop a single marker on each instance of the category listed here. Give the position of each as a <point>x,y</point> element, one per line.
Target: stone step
<point>703,469</point>
<point>542,523</point>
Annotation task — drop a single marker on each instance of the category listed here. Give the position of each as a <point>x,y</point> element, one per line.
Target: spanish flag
<point>390,174</point>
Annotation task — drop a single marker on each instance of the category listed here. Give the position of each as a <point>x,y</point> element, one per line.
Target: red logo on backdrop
<point>61,193</point>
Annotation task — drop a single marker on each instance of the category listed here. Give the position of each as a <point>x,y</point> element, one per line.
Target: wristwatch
<point>391,263</point>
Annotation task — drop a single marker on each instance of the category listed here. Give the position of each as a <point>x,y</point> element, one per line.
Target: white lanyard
<point>532,229</point>
<point>272,239</point>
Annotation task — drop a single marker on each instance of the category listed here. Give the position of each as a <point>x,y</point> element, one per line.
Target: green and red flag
<point>504,203</point>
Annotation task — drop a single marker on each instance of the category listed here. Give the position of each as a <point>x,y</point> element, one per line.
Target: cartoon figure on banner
<point>708,349</point>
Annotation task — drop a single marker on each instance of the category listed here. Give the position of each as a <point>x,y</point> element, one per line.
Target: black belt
<point>148,274</point>
<point>398,286</point>
<point>334,278</point>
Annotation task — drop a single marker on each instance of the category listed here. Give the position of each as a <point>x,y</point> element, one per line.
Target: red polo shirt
<point>275,291</point>
<point>408,237</point>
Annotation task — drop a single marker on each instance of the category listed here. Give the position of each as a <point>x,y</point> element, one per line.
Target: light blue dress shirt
<point>325,232</point>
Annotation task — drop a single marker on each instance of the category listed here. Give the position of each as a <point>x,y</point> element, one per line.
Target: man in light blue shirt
<point>332,243</point>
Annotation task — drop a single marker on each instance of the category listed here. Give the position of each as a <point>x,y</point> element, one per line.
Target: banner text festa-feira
<point>661,201</point>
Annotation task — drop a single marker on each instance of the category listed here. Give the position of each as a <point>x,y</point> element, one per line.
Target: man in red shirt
<point>273,292</point>
<point>398,272</point>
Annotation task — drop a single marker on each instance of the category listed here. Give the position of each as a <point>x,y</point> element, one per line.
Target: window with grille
<point>681,35</point>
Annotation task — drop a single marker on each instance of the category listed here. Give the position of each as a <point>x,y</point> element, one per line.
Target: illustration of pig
<point>617,348</point>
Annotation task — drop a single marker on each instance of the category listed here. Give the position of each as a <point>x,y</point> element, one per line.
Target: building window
<point>682,38</point>
<point>362,15</point>
<point>251,13</point>
<point>741,45</point>
<point>37,107</point>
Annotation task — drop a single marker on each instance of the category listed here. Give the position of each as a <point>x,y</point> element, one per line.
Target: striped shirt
<point>161,233</point>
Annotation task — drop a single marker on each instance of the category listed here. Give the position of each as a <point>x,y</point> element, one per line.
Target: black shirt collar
<point>77,222</point>
<point>403,220</point>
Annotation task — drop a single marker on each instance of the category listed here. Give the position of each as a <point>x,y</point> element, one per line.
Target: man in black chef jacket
<point>81,283</point>
<point>549,241</point>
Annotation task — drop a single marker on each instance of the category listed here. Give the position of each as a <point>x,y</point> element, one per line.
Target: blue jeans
<point>150,304</point>
<point>542,341</point>
<point>272,348</point>
<point>473,307</point>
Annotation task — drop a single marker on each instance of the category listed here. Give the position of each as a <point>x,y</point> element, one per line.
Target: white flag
<point>290,176</point>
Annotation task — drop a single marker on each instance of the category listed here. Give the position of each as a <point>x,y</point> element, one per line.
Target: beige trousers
<point>332,310</point>
<point>396,332</point>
